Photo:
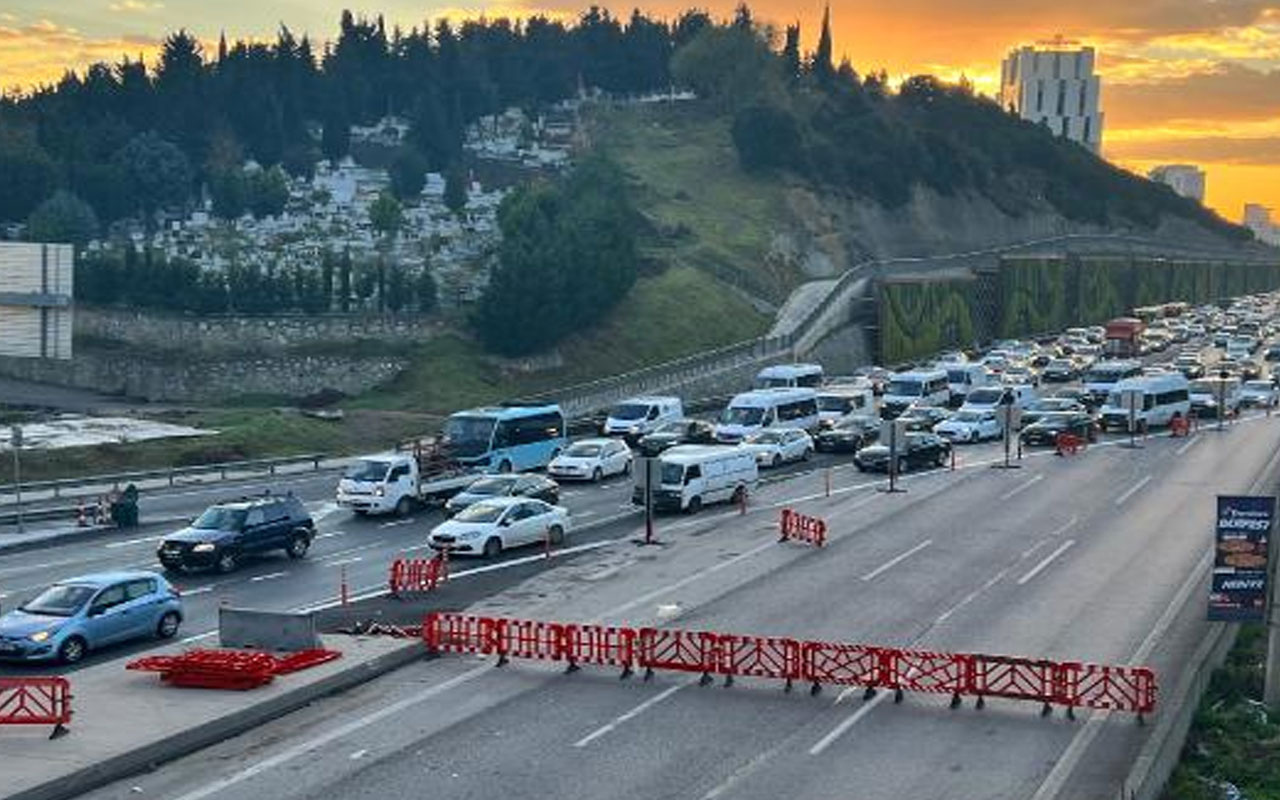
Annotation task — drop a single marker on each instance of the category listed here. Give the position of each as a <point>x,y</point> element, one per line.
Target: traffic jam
<point>509,477</point>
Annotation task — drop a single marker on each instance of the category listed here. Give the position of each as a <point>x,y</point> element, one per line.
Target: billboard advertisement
<point>1242,539</point>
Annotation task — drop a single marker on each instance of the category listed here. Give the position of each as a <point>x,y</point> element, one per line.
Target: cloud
<point>1227,93</point>
<point>42,51</point>
<point>1262,151</point>
<point>134,6</point>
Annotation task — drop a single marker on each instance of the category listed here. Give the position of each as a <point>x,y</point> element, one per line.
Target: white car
<point>774,447</point>
<point>491,526</point>
<point>970,426</point>
<point>1259,394</point>
<point>592,460</point>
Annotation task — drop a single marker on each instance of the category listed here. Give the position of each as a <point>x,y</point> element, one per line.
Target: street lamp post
<point>15,439</point>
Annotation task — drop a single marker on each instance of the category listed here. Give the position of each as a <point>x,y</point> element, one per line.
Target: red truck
<point>1123,337</point>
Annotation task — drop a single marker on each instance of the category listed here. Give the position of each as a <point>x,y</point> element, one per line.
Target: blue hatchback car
<point>70,618</point>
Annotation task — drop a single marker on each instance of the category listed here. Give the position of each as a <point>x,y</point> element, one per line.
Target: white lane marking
<point>1050,537</point>
<point>1183,449</point>
<point>128,542</point>
<point>1132,490</point>
<point>971,596</point>
<point>853,719</point>
<point>632,714</point>
<point>359,754</point>
<point>1075,751</point>
<point>895,561</point>
<point>352,550</point>
<point>343,562</point>
<point>330,533</point>
<point>200,590</point>
<point>1020,488</point>
<point>270,576</point>
<point>587,513</point>
<point>1046,561</point>
<point>326,510</point>
<point>285,756</point>
<point>398,522</point>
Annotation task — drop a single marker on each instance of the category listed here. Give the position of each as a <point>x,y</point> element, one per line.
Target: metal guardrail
<point>171,474</point>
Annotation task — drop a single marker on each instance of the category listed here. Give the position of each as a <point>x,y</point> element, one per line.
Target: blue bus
<point>509,438</point>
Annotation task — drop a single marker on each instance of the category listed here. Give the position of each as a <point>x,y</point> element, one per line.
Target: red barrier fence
<point>795,525</point>
<point>417,574</point>
<point>229,669</point>
<point>36,701</point>
<point>1070,684</point>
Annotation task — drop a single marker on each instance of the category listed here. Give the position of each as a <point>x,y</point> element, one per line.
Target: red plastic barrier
<point>417,574</point>
<point>305,659</point>
<point>1068,443</point>
<point>229,669</point>
<point>36,701</point>
<point>1069,684</point>
<point>795,525</point>
<point>682,651</point>
<point>1179,426</point>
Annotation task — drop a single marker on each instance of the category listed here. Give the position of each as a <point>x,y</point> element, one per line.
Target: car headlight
<point>634,429</point>
<point>203,547</point>
<point>41,636</point>
<point>380,491</point>
<point>468,534</point>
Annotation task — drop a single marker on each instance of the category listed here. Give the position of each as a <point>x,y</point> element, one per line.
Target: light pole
<point>15,439</point>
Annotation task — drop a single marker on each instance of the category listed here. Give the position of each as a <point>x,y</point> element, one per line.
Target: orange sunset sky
<point>1183,80</point>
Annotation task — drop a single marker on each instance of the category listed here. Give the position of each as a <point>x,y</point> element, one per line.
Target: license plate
<point>7,647</point>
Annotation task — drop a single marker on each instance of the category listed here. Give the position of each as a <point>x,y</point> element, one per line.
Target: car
<point>1272,353</point>
<point>1045,430</point>
<point>1020,374</point>
<point>1060,370</point>
<point>1047,405</point>
<point>778,445</point>
<point>970,426</point>
<point>491,486</point>
<point>1078,393</point>
<point>228,533</point>
<point>1250,369</point>
<point>592,460</point>
<point>488,527</point>
<point>923,418</point>
<point>849,434</point>
<point>915,450</point>
<point>1190,366</point>
<point>670,434</point>
<point>1259,394</point>
<point>75,616</point>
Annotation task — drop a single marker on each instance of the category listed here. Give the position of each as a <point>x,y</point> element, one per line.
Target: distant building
<point>35,300</point>
<point>1053,84</point>
<point>1257,218</point>
<point>1185,179</point>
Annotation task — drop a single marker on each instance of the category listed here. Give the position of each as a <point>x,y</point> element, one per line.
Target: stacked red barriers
<point>36,701</point>
<point>1069,684</point>
<point>228,669</point>
<point>795,525</point>
<point>417,574</point>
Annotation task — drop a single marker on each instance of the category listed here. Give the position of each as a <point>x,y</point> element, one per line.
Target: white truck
<point>398,482</point>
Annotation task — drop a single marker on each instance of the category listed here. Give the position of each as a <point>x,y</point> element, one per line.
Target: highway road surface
<point>1077,558</point>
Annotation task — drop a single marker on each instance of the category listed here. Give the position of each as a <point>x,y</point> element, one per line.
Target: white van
<point>1104,375</point>
<point>789,376</point>
<point>689,476</point>
<point>992,398</point>
<point>754,411</point>
<point>964,378</point>
<point>927,388</point>
<point>836,401</point>
<point>1164,398</point>
<point>640,415</point>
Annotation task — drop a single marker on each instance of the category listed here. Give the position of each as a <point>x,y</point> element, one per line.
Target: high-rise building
<point>1185,179</point>
<point>1257,218</point>
<point>1053,84</point>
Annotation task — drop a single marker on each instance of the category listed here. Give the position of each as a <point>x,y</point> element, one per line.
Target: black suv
<point>681,431</point>
<point>225,533</point>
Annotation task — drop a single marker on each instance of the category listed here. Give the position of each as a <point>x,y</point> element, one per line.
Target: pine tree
<point>822,66</point>
<point>791,52</point>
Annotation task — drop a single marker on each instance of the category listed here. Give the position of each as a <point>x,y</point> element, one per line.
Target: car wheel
<point>167,627</point>
<point>904,465</point>
<point>597,475</point>
<point>808,454</point>
<point>626,467</point>
<point>777,460</point>
<point>227,562</point>
<point>403,506</point>
<point>72,650</point>
<point>298,546</point>
<point>739,495</point>
<point>556,534</point>
<point>695,505</point>
<point>493,547</point>
<point>973,437</point>
<point>505,466</point>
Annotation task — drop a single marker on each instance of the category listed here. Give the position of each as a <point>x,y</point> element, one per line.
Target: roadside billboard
<point>1242,540</point>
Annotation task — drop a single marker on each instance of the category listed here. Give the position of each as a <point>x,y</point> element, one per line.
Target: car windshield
<point>469,435</point>
<point>220,519</point>
<point>958,375</point>
<point>742,415</point>
<point>671,427</point>
<point>1059,364</point>
<point>497,485</point>
<point>1203,387</point>
<point>1052,404</point>
<point>767,437</point>
<point>672,474</point>
<point>904,388</point>
<point>584,450</point>
<point>854,423</point>
<point>480,512</point>
<point>62,600</point>
<point>1258,386</point>
<point>1058,419</point>
<point>985,397</point>
<point>834,403</point>
<point>364,470</point>
<point>629,411</point>
<point>968,416</point>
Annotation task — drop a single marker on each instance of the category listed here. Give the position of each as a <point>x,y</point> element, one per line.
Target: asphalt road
<point>1074,558</point>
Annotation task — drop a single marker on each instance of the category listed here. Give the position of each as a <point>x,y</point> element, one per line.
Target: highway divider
<point>794,525</point>
<point>36,701</point>
<point>1070,684</point>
